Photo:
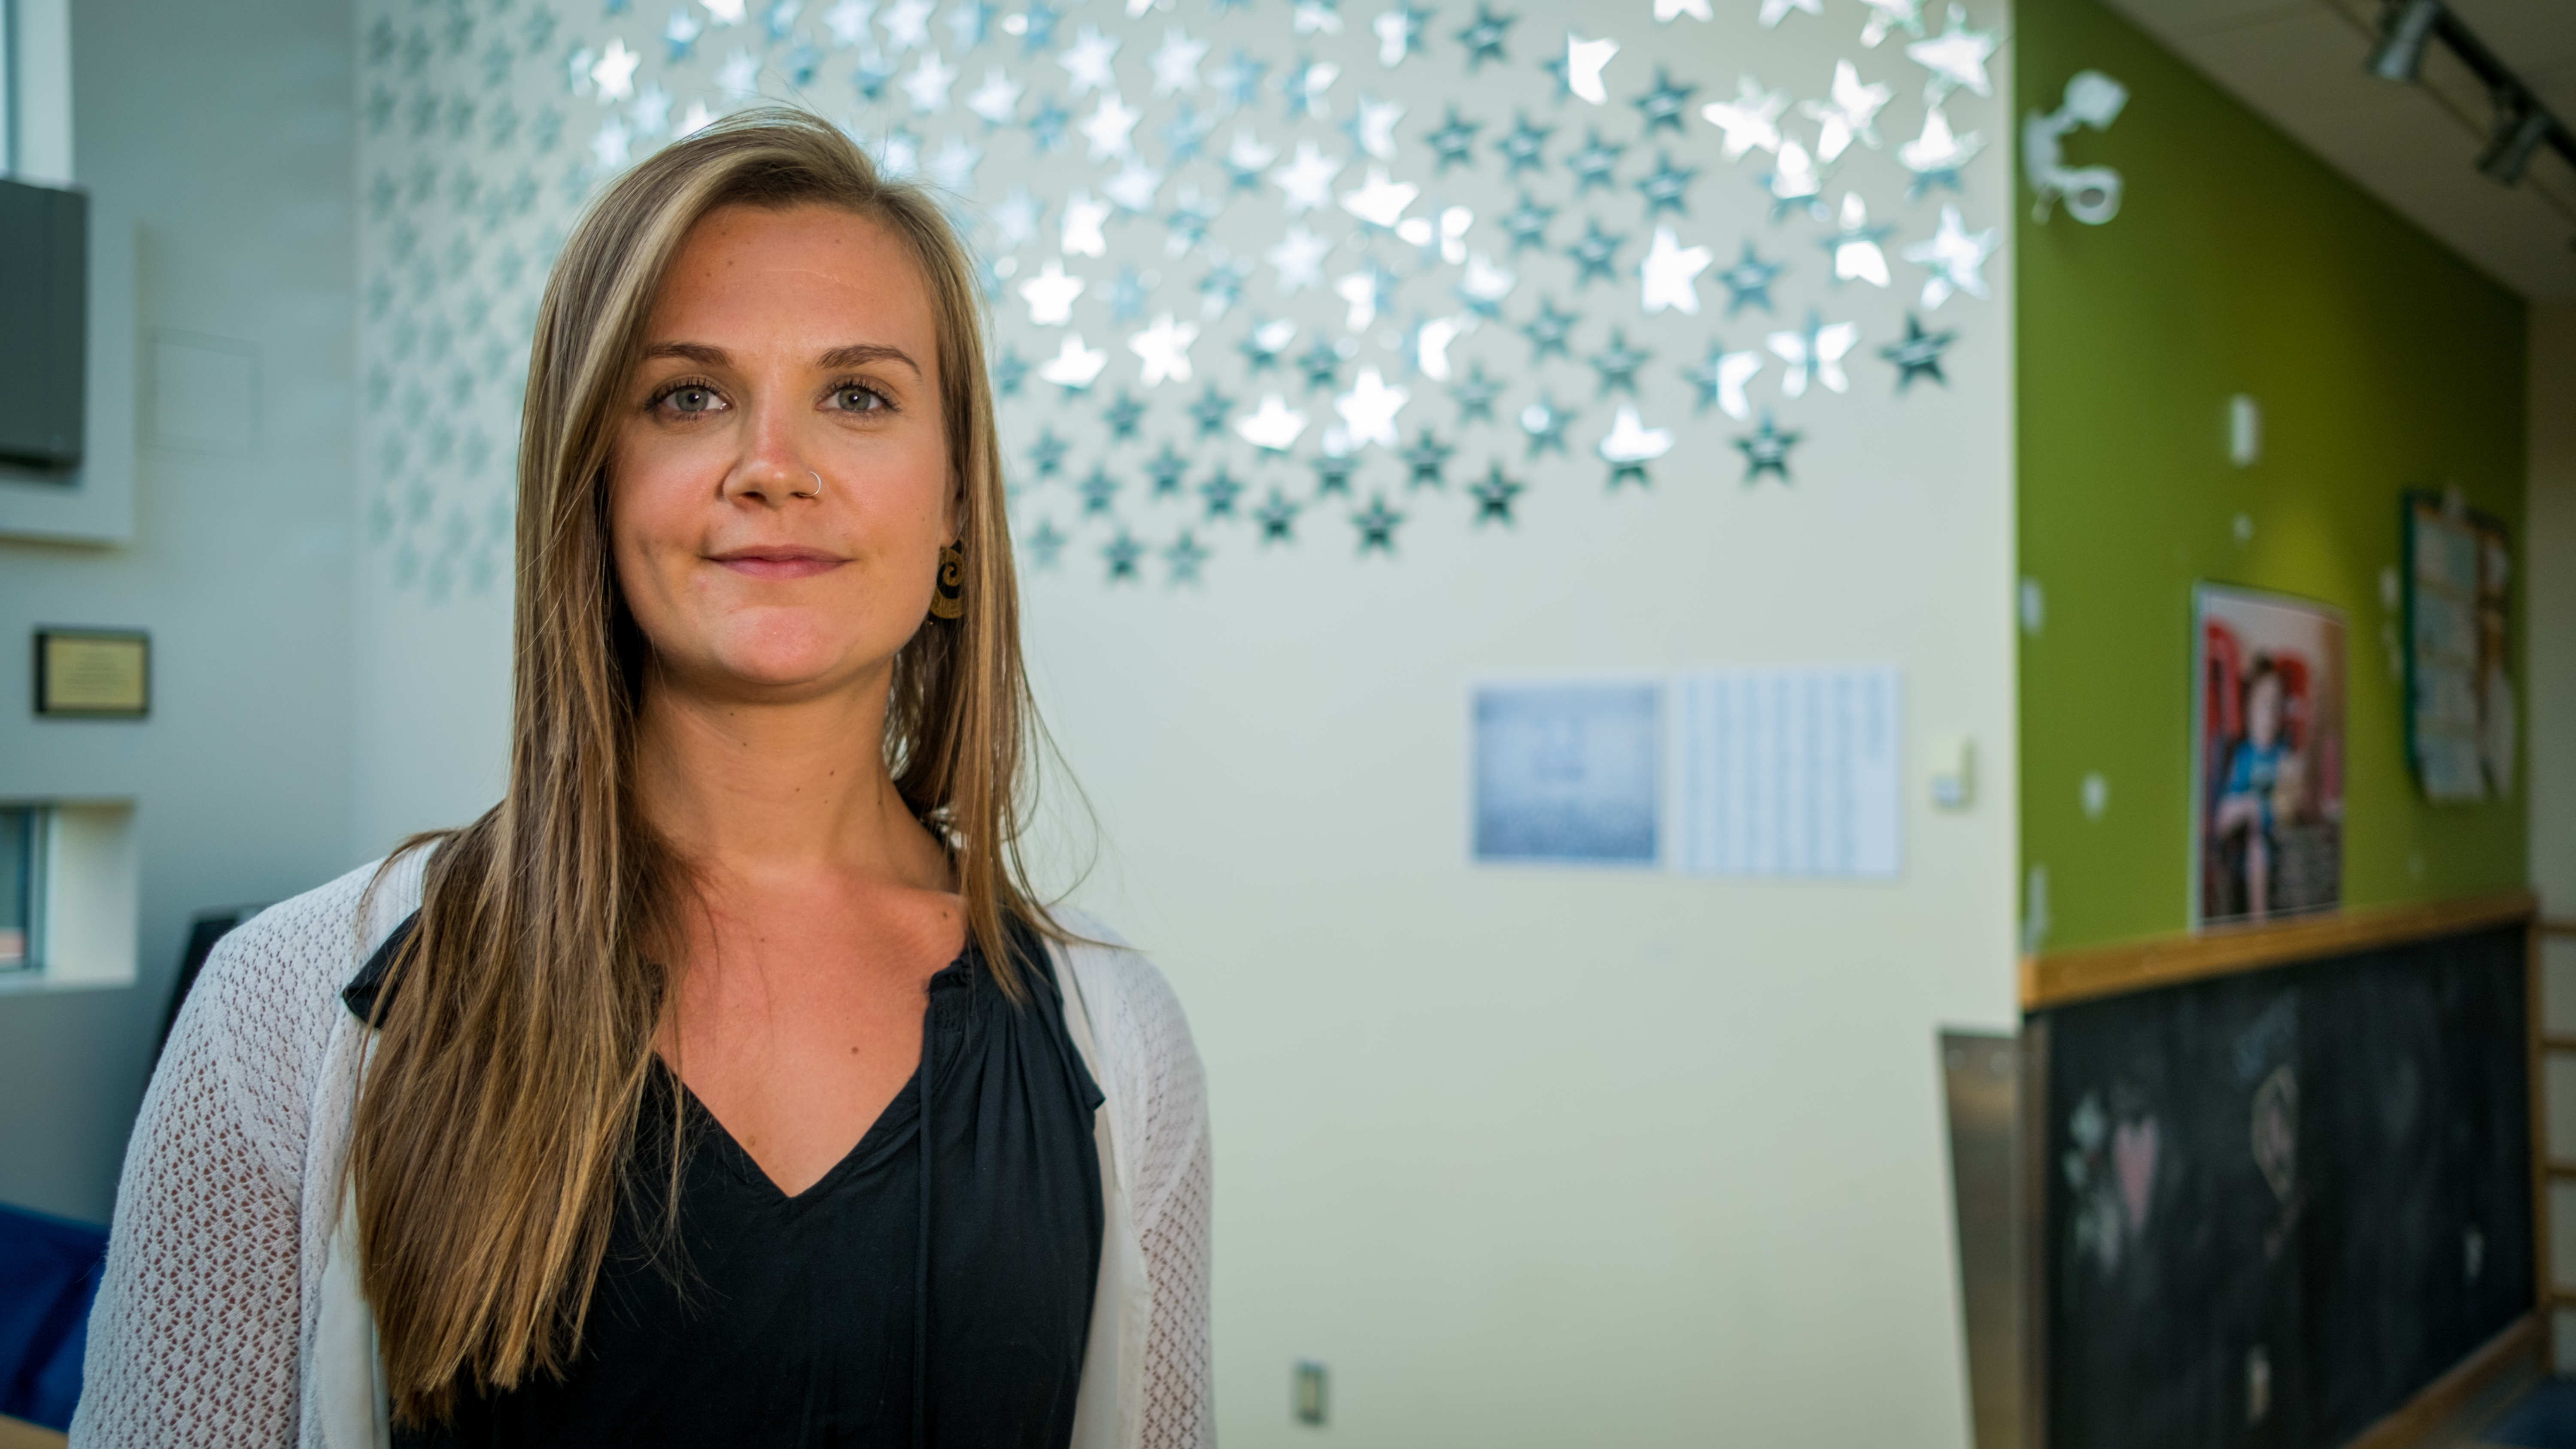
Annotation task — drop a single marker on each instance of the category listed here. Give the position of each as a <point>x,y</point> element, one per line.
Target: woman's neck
<point>761,790</point>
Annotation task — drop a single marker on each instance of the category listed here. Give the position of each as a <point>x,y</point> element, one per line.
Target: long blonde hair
<point>511,1063</point>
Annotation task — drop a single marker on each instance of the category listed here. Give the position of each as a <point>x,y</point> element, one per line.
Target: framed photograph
<point>1569,771</point>
<point>93,673</point>
<point>2266,757</point>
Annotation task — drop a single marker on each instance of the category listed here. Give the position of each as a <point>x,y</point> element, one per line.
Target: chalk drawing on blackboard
<point>2112,1169</point>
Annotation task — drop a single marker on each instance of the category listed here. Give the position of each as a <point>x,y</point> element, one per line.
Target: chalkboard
<point>2279,1204</point>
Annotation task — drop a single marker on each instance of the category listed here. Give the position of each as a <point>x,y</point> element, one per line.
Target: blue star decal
<point>1009,373</point>
<point>1185,135</point>
<point>1474,394</point>
<point>1127,294</point>
<point>1547,331</point>
<point>1045,544</point>
<point>1040,32</point>
<point>1211,411</point>
<point>1494,494</point>
<point>1222,287</point>
<point>968,21</point>
<point>1428,459</point>
<point>1185,556</point>
<point>1618,363</point>
<point>1545,424</point>
<point>1239,79</point>
<point>1047,453</point>
<point>1122,416</point>
<point>1527,224</point>
<point>1749,280</point>
<point>1098,490</point>
<point>1524,148</point>
<point>1167,469</point>
<point>1121,554</point>
<point>1305,97</point>
<point>1455,141</point>
<point>1596,164</point>
<point>1664,105</point>
<point>1484,37</point>
<point>1046,125</point>
<point>1918,353</point>
<point>1333,474</point>
<point>1263,344</point>
<point>875,73</point>
<point>1321,364</point>
<point>1668,188</point>
<point>1377,524</point>
<point>1596,255</point>
<point>1766,450</point>
<point>1278,519</point>
<point>1186,224</point>
<point>1219,493</point>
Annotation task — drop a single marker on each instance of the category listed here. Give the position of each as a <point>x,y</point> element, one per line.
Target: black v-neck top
<point>934,1287</point>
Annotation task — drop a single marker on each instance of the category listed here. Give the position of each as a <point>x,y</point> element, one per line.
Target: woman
<point>725,1083</point>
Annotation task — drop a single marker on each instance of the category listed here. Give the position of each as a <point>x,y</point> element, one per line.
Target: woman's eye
<point>858,400</point>
<point>691,400</point>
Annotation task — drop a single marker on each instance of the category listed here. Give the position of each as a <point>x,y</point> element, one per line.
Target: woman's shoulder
<point>284,968</point>
<point>1127,996</point>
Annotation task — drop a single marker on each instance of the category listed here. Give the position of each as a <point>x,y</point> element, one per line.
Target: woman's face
<point>779,485</point>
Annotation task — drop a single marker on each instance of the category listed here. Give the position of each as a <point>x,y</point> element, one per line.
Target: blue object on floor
<point>2545,1419</point>
<point>49,1271</point>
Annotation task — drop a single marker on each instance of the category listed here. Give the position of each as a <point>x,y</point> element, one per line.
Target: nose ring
<point>818,486</point>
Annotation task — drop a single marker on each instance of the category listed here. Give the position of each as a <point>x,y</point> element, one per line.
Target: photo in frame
<point>2267,756</point>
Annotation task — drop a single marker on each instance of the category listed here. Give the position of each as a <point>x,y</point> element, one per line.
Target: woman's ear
<point>952,527</point>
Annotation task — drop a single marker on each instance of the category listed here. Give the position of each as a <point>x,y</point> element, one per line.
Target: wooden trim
<point>2419,1416</point>
<point>2062,977</point>
<point>2558,1041</point>
<point>2557,926</point>
<point>2544,1245</point>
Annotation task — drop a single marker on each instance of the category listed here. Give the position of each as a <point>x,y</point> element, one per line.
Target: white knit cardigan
<point>230,1313</point>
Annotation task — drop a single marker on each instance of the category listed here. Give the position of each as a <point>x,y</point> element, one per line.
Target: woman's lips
<point>778,563</point>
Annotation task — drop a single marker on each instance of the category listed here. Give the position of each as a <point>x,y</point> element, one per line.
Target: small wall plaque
<point>94,673</point>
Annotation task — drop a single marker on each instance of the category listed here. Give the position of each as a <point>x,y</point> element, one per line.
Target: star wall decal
<point>1380,201</point>
<point>1766,450</point>
<point>1794,183</point>
<point>1668,188</point>
<point>1668,11</point>
<point>1086,63</point>
<point>1474,394</point>
<point>1185,556</point>
<point>1262,346</point>
<point>997,100</point>
<point>1050,295</point>
<point>1307,86</point>
<point>1850,114</point>
<point>928,84</point>
<point>1722,378</point>
<point>1273,426</point>
<point>1315,17</point>
<point>1109,127</point>
<point>1321,364</point>
<point>1454,143</point>
<point>1298,259</point>
<point>1545,424</point>
<point>1368,410</point>
<point>1333,474</point>
<point>1954,257</point>
<point>1306,182</point>
<point>1121,554</point>
<point>1751,121</point>
<point>1399,33</point>
<point>1010,373</point>
<point>1074,366</point>
<point>1547,329</point>
<point>1185,134</point>
<point>1578,70</point>
<point>1222,286</point>
<point>1239,79</point>
<point>1167,468</point>
<point>1080,234</point>
<point>1596,164</point>
<point>1617,364</point>
<point>1246,159</point>
<point>1494,494</point>
<point>1122,416</point>
<point>1372,127</point>
<point>1814,353</point>
<point>968,21</point>
<point>907,24</point>
<point>1037,27</point>
<point>1046,544</point>
<point>1774,11</point>
<point>1176,62</point>
<point>1937,156</point>
<point>1278,519</point>
<point>1484,286</point>
<point>1377,524</point>
<point>1918,353</point>
<point>1666,104</point>
<point>1047,125</point>
<point>1749,280</point>
<point>1854,246</point>
<point>1219,493</point>
<point>1211,411</point>
<point>1630,445</point>
<point>1524,147</point>
<point>1667,273</point>
<point>1099,491</point>
<point>1426,461</point>
<point>1596,255</point>
<point>1046,455</point>
<point>1956,57</point>
<point>1889,16</point>
<point>1483,37</point>
<point>1526,223</point>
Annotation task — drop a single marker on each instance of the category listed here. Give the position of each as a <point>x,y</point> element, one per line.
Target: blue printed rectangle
<point>1569,772</point>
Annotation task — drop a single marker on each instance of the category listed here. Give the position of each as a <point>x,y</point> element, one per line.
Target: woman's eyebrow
<point>859,354</point>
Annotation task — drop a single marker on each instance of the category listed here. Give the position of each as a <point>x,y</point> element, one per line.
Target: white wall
<point>225,131</point>
<point>1527,1156</point>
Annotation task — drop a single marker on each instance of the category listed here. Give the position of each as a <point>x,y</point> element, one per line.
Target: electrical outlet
<point>1307,1396</point>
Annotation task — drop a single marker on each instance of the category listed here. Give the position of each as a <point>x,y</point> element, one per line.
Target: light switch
<point>1307,1397</point>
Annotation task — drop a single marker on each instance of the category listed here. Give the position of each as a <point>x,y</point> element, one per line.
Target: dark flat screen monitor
<point>44,308</point>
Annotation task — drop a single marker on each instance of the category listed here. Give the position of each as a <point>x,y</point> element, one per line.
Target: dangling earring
<point>948,600</point>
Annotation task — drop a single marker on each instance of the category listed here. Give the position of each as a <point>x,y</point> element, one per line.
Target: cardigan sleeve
<point>194,1337</point>
<point>1173,1199</point>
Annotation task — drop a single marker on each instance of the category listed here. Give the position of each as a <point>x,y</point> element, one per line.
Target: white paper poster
<point>1788,772</point>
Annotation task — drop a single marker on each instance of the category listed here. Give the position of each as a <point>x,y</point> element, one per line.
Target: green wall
<point>2238,263</point>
